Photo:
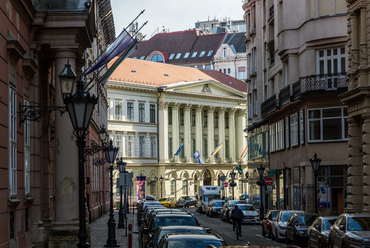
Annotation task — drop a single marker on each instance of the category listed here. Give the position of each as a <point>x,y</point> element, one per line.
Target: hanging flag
<point>116,48</point>
<point>215,151</point>
<point>198,157</point>
<point>179,150</point>
<point>244,154</point>
<point>111,69</point>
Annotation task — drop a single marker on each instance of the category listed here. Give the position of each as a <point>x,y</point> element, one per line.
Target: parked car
<point>186,201</point>
<point>195,240</point>
<point>267,222</point>
<point>214,208</point>
<point>297,228</point>
<point>318,232</point>
<point>250,214</point>
<point>161,231</point>
<point>278,226</point>
<point>228,206</point>
<point>180,219</point>
<point>350,230</point>
<point>168,202</point>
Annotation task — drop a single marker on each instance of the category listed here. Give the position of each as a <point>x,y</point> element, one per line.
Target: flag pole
<point>114,41</point>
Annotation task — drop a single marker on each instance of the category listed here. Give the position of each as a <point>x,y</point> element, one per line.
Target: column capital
<point>199,107</point>
<point>188,106</point>
<point>176,106</point>
<point>163,105</point>
<point>366,117</point>
<point>222,110</point>
<point>241,112</point>
<point>211,109</point>
<point>232,111</point>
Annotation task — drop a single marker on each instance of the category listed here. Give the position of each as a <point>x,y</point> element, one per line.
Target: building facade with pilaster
<point>296,71</point>
<point>156,107</point>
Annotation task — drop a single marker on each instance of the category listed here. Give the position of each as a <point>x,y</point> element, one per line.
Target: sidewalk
<point>99,231</point>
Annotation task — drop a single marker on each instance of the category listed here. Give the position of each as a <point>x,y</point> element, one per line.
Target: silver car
<point>278,226</point>
<point>350,230</point>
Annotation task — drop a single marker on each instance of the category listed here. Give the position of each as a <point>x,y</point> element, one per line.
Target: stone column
<point>232,135</point>
<point>354,179</point>
<point>221,133</point>
<point>198,124</point>
<point>187,133</point>
<point>175,131</point>
<point>240,135</point>
<point>355,43</point>
<point>211,133</point>
<point>163,131</point>
<point>363,40</point>
<point>366,161</point>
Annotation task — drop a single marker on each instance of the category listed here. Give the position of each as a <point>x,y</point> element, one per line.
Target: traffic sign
<point>226,184</point>
<point>269,181</point>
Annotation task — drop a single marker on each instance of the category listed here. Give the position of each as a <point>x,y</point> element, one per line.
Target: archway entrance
<point>207,179</point>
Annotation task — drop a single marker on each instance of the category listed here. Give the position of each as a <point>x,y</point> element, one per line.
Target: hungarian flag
<point>245,152</point>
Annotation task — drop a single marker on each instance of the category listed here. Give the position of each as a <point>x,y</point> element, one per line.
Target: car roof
<point>292,211</point>
<point>244,204</point>
<point>192,236</point>
<point>356,215</point>
<point>306,213</point>
<point>181,227</point>
<point>173,214</point>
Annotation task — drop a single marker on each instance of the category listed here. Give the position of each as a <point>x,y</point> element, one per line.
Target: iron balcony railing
<point>305,85</point>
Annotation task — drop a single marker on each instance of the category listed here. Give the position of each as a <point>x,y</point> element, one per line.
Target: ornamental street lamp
<point>232,184</point>
<point>110,155</point>
<point>161,180</point>
<point>315,162</point>
<point>122,169</point>
<point>80,107</point>
<point>261,184</point>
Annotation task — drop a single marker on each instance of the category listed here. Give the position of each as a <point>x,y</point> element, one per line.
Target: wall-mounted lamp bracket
<point>35,112</point>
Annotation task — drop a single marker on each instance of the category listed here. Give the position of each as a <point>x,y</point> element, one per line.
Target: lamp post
<point>232,184</point>
<point>80,107</point>
<point>110,154</point>
<point>161,180</point>
<point>315,162</point>
<point>122,169</point>
<point>155,183</point>
<point>261,184</point>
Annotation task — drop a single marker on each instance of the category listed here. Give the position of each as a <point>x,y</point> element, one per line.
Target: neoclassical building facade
<point>151,120</point>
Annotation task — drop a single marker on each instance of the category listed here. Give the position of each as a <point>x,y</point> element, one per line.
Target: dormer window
<point>186,55</point>
<point>210,53</point>
<point>178,55</point>
<point>171,56</point>
<point>202,54</point>
<point>194,54</point>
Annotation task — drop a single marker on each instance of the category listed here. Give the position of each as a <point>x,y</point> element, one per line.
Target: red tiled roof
<point>157,74</point>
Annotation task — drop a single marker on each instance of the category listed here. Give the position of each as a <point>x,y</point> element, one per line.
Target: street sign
<point>226,184</point>
<point>269,181</point>
<point>269,188</point>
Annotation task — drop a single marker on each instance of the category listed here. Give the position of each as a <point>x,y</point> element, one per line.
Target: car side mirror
<point>207,229</point>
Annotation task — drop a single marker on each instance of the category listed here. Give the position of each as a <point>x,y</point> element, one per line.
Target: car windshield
<point>192,243</point>
<point>328,223</point>
<point>274,214</point>
<point>359,224</point>
<point>183,198</point>
<point>217,204</point>
<point>164,232</point>
<point>246,208</point>
<point>285,216</point>
<point>306,220</point>
<point>174,221</point>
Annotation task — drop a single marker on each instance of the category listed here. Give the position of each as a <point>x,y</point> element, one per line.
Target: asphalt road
<point>250,233</point>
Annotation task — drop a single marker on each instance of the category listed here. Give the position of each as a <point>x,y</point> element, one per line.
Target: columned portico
<point>175,131</point>
<point>198,124</point>
<point>240,139</point>
<point>211,135</point>
<point>187,133</point>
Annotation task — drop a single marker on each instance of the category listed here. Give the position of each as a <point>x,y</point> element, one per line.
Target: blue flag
<point>116,48</point>
<point>179,150</point>
<point>198,157</point>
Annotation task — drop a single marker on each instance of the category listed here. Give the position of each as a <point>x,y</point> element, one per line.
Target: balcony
<point>329,83</point>
<point>269,106</point>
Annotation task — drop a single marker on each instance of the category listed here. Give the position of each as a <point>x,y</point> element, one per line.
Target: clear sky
<point>174,15</point>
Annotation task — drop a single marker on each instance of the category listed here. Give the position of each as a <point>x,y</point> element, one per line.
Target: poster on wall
<point>140,187</point>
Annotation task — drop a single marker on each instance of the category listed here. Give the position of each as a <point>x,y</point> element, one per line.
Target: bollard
<point>129,235</point>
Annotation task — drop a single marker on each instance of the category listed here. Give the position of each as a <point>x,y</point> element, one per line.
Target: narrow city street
<point>250,233</point>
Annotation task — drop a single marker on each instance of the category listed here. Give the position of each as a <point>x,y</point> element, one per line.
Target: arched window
<point>185,187</point>
<point>157,58</point>
<point>173,187</point>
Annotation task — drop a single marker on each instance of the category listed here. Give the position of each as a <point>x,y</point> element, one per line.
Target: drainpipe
<point>236,75</point>
<point>160,89</point>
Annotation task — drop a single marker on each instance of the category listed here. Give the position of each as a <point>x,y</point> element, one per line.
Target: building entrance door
<point>207,179</point>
